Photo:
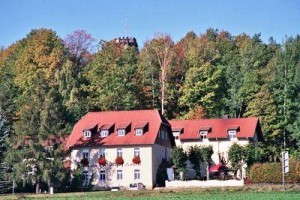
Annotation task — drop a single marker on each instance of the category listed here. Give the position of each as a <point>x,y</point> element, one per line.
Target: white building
<point>219,133</point>
<point>117,148</point>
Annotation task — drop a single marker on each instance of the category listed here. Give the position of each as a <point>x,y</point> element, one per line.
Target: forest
<point>47,83</point>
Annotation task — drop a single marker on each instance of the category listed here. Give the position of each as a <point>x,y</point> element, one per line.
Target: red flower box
<point>136,160</point>
<point>119,161</point>
<point>84,162</point>
<point>102,161</point>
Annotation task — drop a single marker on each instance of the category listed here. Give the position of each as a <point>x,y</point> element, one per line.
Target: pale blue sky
<point>104,19</point>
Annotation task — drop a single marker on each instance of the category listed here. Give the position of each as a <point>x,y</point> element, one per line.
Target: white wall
<point>151,157</point>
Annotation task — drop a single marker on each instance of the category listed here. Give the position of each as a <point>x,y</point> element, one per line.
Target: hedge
<point>272,173</point>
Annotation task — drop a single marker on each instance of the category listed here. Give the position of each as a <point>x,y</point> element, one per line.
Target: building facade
<point>117,148</point>
<point>219,133</point>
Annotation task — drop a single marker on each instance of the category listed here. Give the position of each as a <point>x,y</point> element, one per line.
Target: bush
<point>272,173</point>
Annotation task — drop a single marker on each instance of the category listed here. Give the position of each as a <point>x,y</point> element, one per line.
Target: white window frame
<point>203,134</point>
<point>119,152</point>
<point>139,131</point>
<point>85,153</point>
<point>104,133</point>
<point>101,152</point>
<point>119,175</point>
<point>137,151</point>
<point>87,134</point>
<point>137,174</point>
<point>232,134</point>
<point>48,148</point>
<point>102,175</point>
<point>85,176</point>
<point>176,134</point>
<point>121,132</point>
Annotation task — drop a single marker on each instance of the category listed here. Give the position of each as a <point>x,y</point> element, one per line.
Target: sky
<point>105,19</point>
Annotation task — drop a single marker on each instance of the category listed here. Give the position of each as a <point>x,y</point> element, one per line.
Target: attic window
<point>104,133</point>
<point>121,132</point>
<point>139,131</point>
<point>203,134</point>
<point>232,134</point>
<point>176,134</point>
<point>232,130</point>
<point>87,134</point>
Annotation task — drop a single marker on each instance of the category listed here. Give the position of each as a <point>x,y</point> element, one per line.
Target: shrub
<point>272,173</point>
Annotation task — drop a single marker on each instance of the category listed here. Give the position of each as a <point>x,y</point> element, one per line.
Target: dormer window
<point>121,132</point>
<point>203,131</point>
<point>176,132</point>
<point>87,134</point>
<point>203,134</point>
<point>232,130</point>
<point>232,134</point>
<point>123,128</point>
<point>104,133</point>
<point>140,128</point>
<point>138,131</point>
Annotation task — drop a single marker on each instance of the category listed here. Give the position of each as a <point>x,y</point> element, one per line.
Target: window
<point>87,133</point>
<point>121,132</point>
<point>85,153</point>
<point>85,176</point>
<point>137,151</point>
<point>203,134</point>
<point>137,174</point>
<point>119,152</point>
<point>163,134</point>
<point>232,134</point>
<point>101,152</point>
<point>139,131</point>
<point>48,148</point>
<point>176,134</point>
<point>119,175</point>
<point>102,175</point>
<point>103,133</point>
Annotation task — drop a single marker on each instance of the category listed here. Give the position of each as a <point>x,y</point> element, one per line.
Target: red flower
<point>136,160</point>
<point>84,162</point>
<point>119,161</point>
<point>102,161</point>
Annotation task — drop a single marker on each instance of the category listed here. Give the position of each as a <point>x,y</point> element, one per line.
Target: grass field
<point>253,192</point>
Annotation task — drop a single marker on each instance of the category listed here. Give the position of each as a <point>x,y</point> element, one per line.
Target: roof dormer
<point>123,128</point>
<point>176,132</point>
<point>232,130</point>
<point>203,131</point>
<point>141,128</point>
<point>106,130</point>
<point>89,130</point>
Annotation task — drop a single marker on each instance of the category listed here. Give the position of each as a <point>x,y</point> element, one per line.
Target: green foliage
<point>235,156</point>
<point>179,158</point>
<point>272,172</point>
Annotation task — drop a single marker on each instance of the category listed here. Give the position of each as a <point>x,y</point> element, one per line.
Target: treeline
<point>47,84</point>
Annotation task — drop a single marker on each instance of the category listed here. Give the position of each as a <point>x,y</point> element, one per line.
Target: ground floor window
<point>102,175</point>
<point>119,175</point>
<point>85,176</point>
<point>137,174</point>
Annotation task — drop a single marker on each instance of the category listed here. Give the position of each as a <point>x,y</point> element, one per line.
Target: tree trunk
<point>37,187</point>
<point>207,171</point>
<point>49,185</point>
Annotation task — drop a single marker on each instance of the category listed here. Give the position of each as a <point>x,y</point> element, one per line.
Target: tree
<point>207,152</point>
<point>195,158</point>
<point>179,159</point>
<point>251,155</point>
<point>236,157</point>
<point>157,56</point>
<point>112,79</point>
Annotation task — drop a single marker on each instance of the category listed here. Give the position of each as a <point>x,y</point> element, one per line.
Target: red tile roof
<point>141,125</point>
<point>219,127</point>
<point>118,118</point>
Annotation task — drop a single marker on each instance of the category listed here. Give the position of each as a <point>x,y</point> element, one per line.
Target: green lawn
<point>257,192</point>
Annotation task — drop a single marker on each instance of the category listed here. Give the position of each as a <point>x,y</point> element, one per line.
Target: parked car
<point>136,186</point>
<point>219,171</point>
